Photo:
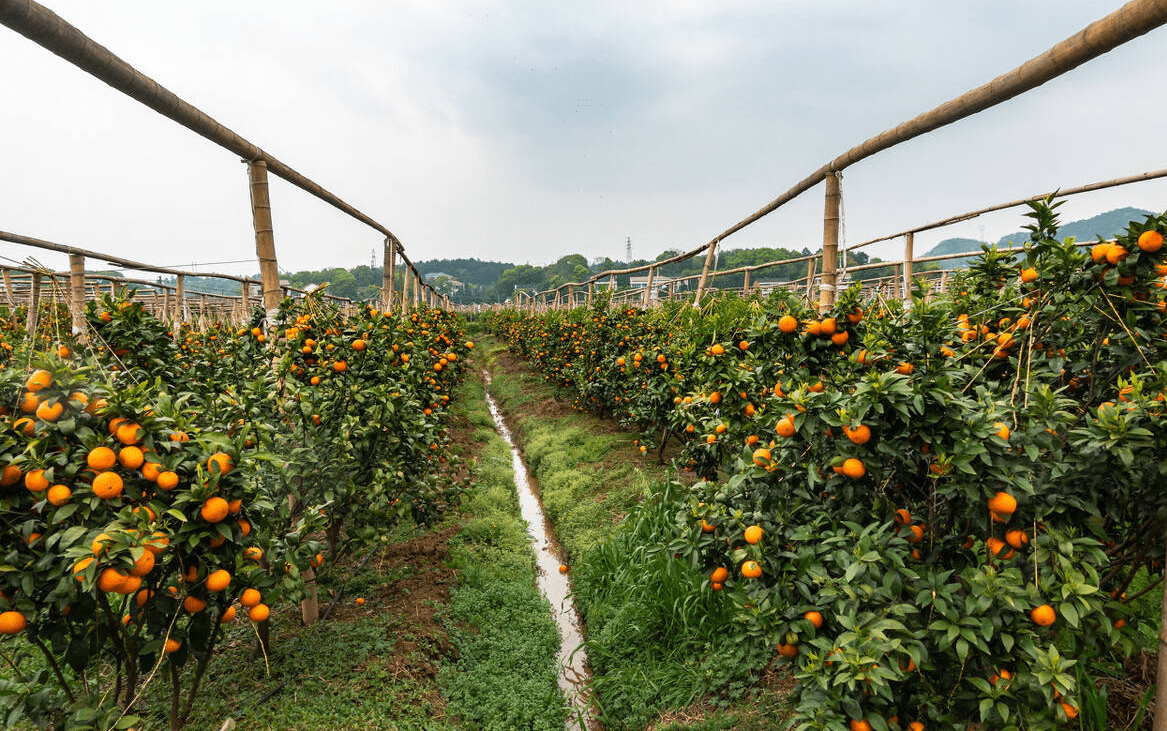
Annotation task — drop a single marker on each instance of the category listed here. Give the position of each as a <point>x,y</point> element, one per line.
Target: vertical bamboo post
<point>591,291</point>
<point>648,288</point>
<point>180,298</point>
<point>570,296</point>
<point>830,242</point>
<point>417,288</point>
<point>265,242</point>
<point>8,291</point>
<point>909,242</point>
<point>34,298</point>
<point>77,287</point>
<point>943,281</point>
<point>810,279</point>
<point>746,285</point>
<point>245,301</point>
<point>388,259</point>
<point>167,313</point>
<point>709,253</point>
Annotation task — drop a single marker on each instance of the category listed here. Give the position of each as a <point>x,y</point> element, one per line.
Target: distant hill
<point>1104,225</point>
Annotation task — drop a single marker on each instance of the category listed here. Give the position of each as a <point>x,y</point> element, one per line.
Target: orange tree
<point>144,483</point>
<point>932,512</point>
<point>363,400</point>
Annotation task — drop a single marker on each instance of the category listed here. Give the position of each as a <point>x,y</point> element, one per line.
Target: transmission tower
<point>628,250</point>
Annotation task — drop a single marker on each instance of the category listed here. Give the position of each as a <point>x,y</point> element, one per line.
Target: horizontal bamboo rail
<point>47,29</point>
<point>1132,20</point>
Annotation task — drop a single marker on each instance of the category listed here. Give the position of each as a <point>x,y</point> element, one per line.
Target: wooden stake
<point>648,288</point>
<point>827,281</point>
<point>265,242</point>
<point>746,286</point>
<point>591,291</point>
<point>909,242</point>
<point>810,279</point>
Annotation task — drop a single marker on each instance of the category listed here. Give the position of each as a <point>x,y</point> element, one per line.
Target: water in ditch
<point>556,586</point>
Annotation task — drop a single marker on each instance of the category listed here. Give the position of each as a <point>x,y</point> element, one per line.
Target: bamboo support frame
<point>77,297</point>
<point>34,298</point>
<point>827,279</point>
<point>909,244</point>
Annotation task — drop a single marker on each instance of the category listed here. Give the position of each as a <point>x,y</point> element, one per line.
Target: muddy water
<point>573,674</point>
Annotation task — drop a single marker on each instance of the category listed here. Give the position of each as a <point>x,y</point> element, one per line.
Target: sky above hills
<point>524,131</point>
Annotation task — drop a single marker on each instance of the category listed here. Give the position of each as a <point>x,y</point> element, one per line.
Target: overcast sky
<point>524,131</point>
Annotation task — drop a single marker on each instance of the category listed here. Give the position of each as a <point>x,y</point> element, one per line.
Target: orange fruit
<point>111,579</point>
<point>39,380</point>
<point>214,509</point>
<point>787,324</point>
<point>108,485</point>
<point>218,580</point>
<point>1149,241</point>
<point>1017,538</point>
<point>131,457</point>
<point>47,412</point>
<point>143,596</point>
<point>221,461</point>
<point>260,612</point>
<point>854,468</point>
<point>751,570</point>
<point>255,553</point>
<point>905,369</point>
<point>762,457</point>
<point>785,427</point>
<point>563,568</point>
<point>753,534</point>
<point>1028,275</point>
<point>1002,430</point>
<point>917,533</point>
<point>157,543</point>
<point>130,433</point>
<point>81,566</point>
<point>787,651</point>
<point>1003,504</point>
<point>36,481</point>
<point>719,575</point>
<point>171,645</point>
<point>903,517</point>
<point>193,604</point>
<point>12,622</point>
<point>814,618</point>
<point>859,435</point>
<point>229,614</point>
<point>59,495</point>
<point>166,480</point>
<point>101,458</point>
<point>144,564</point>
<point>10,475</point>
<point>360,601</point>
<point>860,725</point>
<point>1071,711</point>
<point>1043,616</point>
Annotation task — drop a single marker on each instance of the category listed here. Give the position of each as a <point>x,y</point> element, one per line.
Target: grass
<point>482,656</point>
<point>655,652</point>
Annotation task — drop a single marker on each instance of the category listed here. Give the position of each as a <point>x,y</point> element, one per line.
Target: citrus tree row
<point>934,513</point>
<point>161,480</point>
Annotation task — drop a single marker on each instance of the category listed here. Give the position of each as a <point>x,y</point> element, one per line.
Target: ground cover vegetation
<point>948,515</point>
<point>162,480</point>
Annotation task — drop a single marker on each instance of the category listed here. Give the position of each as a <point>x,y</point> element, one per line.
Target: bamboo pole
<point>34,298</point>
<point>828,279</point>
<point>591,292</point>
<point>245,294</point>
<point>8,291</point>
<point>166,311</point>
<point>704,274</point>
<point>388,257</point>
<point>265,242</point>
<point>180,299</point>
<point>77,305</point>
<point>648,288</point>
<point>909,243</point>
<point>810,279</point>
